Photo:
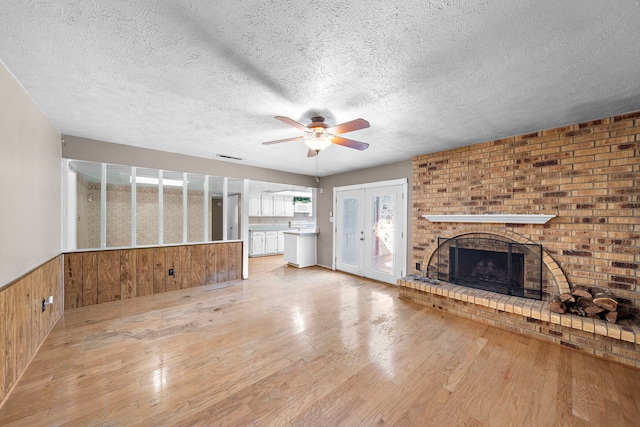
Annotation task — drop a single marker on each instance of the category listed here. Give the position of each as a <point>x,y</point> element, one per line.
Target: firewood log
<point>594,309</point>
<point>585,302</point>
<point>611,316</point>
<point>588,306</point>
<point>567,297</point>
<point>603,297</point>
<point>581,291</point>
<point>557,306</point>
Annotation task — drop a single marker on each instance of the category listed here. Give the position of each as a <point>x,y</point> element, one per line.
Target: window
<point>124,206</point>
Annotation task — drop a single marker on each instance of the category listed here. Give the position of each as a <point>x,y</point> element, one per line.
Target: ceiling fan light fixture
<point>317,143</point>
<point>318,135</point>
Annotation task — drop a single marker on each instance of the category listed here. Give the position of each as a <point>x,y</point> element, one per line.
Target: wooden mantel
<point>492,218</point>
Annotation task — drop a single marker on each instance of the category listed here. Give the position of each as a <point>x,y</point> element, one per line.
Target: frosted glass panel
<point>349,241</point>
<point>195,208</point>
<point>172,182</point>
<point>118,206</point>
<point>147,206</point>
<point>383,210</point>
<point>88,203</point>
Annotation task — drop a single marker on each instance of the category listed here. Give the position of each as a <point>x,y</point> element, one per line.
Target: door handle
<point>362,238</point>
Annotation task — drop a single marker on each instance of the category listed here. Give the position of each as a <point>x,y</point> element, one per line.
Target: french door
<point>349,225</point>
<point>370,231</point>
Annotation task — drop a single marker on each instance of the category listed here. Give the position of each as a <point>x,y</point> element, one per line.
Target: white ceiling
<point>207,77</point>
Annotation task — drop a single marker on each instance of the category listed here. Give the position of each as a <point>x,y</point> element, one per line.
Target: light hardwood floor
<point>308,347</point>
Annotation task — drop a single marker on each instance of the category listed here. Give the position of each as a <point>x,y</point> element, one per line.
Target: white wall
<point>30,210</point>
<point>78,148</point>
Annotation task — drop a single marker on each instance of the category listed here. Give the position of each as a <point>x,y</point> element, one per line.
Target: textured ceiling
<point>207,77</point>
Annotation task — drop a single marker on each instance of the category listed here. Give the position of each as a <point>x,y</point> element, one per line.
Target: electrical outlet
<point>171,272</point>
<point>46,302</point>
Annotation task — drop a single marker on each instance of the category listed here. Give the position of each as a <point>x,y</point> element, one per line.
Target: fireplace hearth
<point>491,264</point>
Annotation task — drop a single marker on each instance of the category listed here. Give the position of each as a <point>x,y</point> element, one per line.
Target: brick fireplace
<point>588,176</point>
<point>489,262</point>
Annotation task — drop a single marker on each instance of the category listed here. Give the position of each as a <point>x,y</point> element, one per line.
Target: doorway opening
<point>233,217</point>
<point>370,230</point>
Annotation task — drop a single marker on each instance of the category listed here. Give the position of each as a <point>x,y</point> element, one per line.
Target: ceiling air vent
<point>224,156</point>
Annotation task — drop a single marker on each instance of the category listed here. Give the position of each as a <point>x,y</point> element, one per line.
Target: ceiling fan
<point>318,135</point>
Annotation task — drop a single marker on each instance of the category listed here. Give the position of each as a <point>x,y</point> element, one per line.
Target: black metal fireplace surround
<point>491,264</point>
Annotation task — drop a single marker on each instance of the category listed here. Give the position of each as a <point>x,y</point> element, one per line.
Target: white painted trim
<point>69,207</point>
<point>185,207</point>
<point>160,207</point>
<point>334,228</point>
<point>399,181</point>
<point>492,218</point>
<point>134,203</point>
<point>112,248</point>
<point>205,210</point>
<point>245,228</point>
<point>314,206</point>
<point>225,204</point>
<point>405,227</point>
<point>103,206</point>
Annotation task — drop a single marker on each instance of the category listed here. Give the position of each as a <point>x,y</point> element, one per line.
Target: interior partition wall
<point>115,206</point>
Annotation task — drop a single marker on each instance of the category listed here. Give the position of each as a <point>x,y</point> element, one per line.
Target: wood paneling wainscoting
<point>96,277</point>
<point>23,324</point>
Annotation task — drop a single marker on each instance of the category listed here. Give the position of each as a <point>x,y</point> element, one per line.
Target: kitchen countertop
<point>300,232</point>
<point>270,227</point>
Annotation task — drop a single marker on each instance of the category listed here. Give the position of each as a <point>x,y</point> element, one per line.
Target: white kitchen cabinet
<point>282,205</point>
<point>257,243</point>
<point>271,242</point>
<point>266,242</point>
<point>288,206</point>
<point>280,242</point>
<point>266,203</point>
<point>255,205</point>
<point>278,205</point>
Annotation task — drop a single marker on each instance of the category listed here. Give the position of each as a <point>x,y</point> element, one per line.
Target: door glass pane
<point>383,210</point>
<point>118,206</point>
<point>146,206</point>
<point>349,240</point>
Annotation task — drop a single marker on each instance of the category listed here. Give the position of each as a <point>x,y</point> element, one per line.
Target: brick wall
<point>595,337</point>
<point>588,174</point>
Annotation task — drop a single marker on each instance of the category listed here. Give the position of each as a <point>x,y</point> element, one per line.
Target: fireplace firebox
<point>491,264</point>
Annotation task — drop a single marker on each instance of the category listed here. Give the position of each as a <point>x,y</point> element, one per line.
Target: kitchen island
<point>300,248</point>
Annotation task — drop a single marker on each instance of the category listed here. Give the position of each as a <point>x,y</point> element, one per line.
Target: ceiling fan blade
<point>278,141</point>
<point>349,143</point>
<point>349,126</point>
<point>312,153</point>
<point>293,123</point>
